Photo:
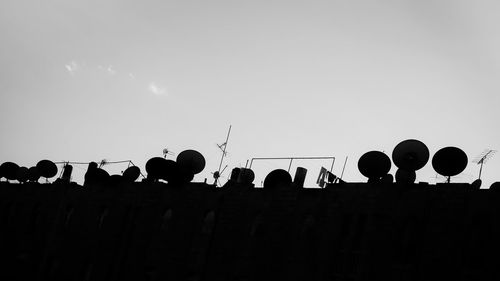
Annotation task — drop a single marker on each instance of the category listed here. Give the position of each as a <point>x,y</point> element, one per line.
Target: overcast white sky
<point>87,80</point>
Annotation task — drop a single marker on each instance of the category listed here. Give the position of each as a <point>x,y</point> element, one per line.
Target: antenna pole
<point>481,169</point>
<point>225,146</point>
<point>483,158</point>
<point>345,162</point>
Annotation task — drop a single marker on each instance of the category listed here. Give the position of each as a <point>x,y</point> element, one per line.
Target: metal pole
<point>290,166</point>
<point>345,162</point>
<point>224,151</point>
<point>333,162</point>
<point>481,169</point>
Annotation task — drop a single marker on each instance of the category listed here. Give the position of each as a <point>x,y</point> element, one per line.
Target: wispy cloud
<point>110,70</point>
<point>72,67</point>
<point>157,90</point>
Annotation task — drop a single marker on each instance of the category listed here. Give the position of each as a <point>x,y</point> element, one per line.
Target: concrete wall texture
<point>156,231</point>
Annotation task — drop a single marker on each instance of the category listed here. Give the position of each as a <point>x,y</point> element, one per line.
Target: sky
<point>123,80</point>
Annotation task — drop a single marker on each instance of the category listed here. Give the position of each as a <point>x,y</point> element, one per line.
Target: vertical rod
<point>481,169</point>
<point>333,162</point>
<point>345,162</point>
<point>290,166</point>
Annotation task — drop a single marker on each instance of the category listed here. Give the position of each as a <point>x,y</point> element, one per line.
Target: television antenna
<point>483,158</point>
<point>166,152</point>
<point>222,148</point>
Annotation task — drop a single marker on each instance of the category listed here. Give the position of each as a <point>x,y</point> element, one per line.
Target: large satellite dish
<point>155,167</point>
<point>410,155</point>
<point>449,161</point>
<point>374,164</point>
<point>47,168</point>
<point>131,174</point>
<point>9,170</point>
<point>191,161</point>
<point>277,178</point>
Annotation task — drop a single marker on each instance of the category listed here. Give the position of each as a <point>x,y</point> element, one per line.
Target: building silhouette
<point>194,231</point>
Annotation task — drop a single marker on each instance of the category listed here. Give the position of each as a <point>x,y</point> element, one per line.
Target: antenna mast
<point>482,158</point>
<point>223,148</point>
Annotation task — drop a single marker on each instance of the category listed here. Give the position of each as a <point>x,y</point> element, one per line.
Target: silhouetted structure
<point>117,229</point>
<point>157,231</point>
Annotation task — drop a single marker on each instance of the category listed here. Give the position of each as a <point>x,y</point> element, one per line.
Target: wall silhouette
<point>157,231</point>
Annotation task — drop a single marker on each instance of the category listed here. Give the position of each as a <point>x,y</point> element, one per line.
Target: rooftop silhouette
<point>163,226</point>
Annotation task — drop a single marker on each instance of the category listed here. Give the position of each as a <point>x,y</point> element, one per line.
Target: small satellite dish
<point>246,176</point>
<point>22,174</point>
<point>9,170</point>
<point>495,186</point>
<point>47,168</point>
<point>131,174</point>
<point>33,174</point>
<point>410,155</point>
<point>191,161</point>
<point>405,176</point>
<point>155,167</point>
<point>278,178</point>
<point>449,161</point>
<point>374,164</point>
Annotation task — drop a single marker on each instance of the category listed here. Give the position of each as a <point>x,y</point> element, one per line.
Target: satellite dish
<point>277,178</point>
<point>155,167</point>
<point>131,174</point>
<point>9,170</point>
<point>22,174</point>
<point>410,155</point>
<point>449,161</point>
<point>191,161</point>
<point>246,176</point>
<point>33,174</point>
<point>405,176</point>
<point>495,186</point>
<point>374,164</point>
<point>47,168</point>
